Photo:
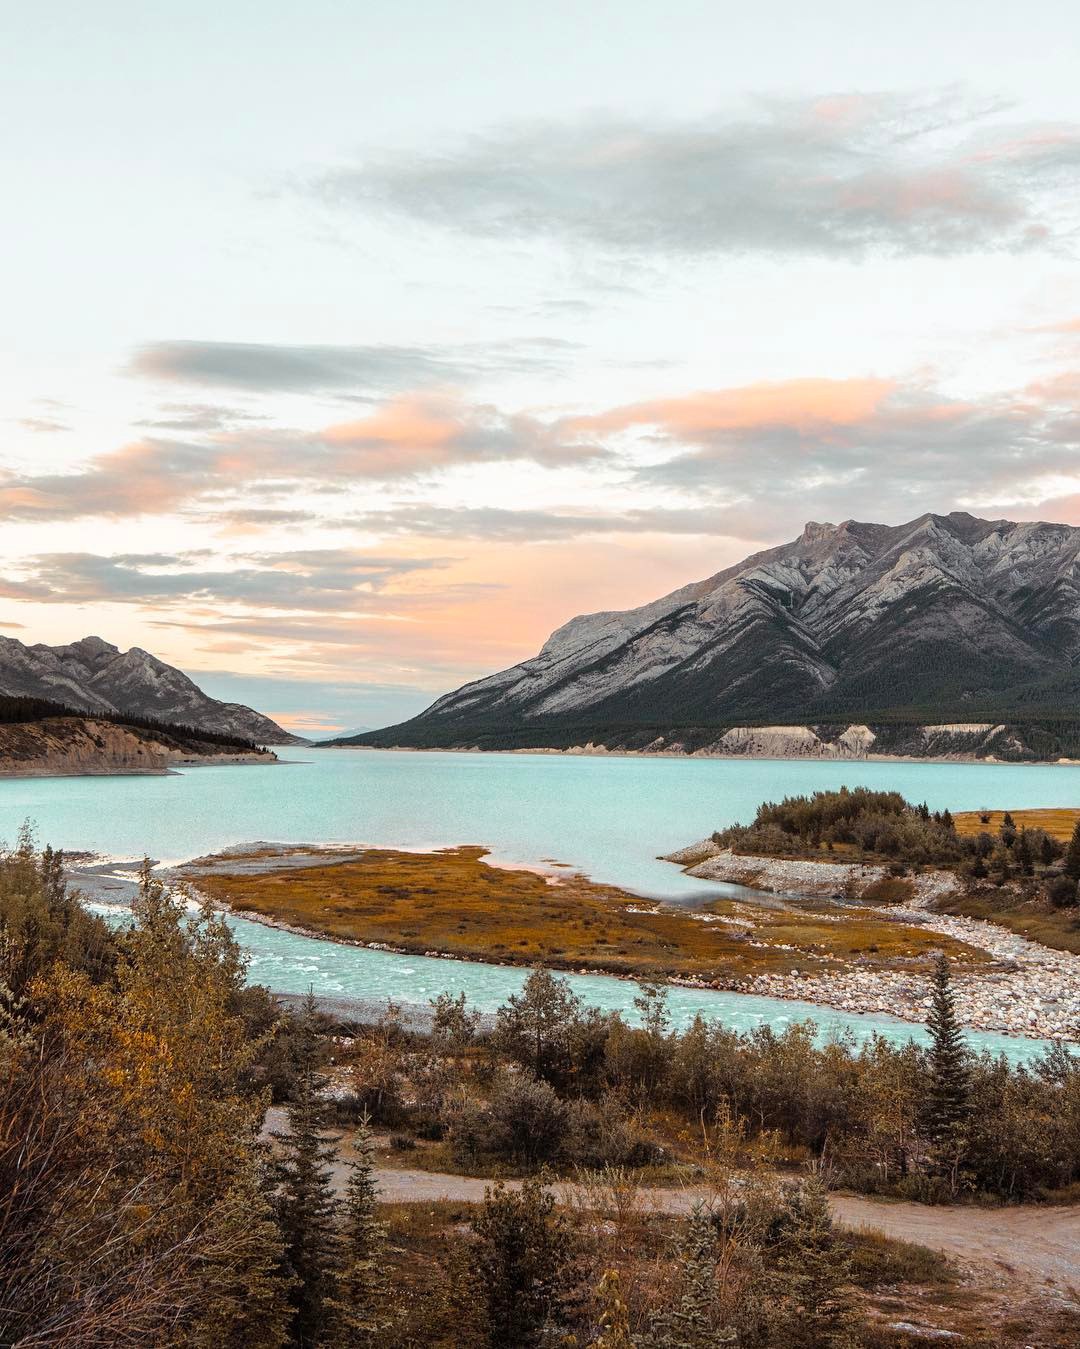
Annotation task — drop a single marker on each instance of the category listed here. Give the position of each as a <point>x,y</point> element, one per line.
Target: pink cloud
<point>804,405</point>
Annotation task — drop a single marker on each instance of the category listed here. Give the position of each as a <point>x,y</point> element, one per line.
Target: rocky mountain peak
<point>92,675</point>
<point>939,618</point>
<point>813,531</point>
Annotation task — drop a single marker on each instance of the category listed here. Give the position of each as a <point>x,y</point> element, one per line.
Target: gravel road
<point>1041,1242</point>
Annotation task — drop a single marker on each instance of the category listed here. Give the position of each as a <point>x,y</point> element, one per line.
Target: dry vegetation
<point>1058,823</point>
<point>1028,915</point>
<point>894,1281</point>
<point>453,902</point>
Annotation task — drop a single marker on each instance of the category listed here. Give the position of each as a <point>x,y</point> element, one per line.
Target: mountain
<point>95,676</point>
<point>943,619</point>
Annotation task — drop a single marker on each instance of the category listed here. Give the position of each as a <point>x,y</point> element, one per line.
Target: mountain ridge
<point>942,619</point>
<point>91,675</point>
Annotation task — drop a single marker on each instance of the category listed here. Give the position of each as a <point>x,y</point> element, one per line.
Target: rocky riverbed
<point>1029,989</point>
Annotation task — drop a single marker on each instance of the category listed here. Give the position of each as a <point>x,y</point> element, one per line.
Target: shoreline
<point>601,752</point>
<point>1030,990</point>
<point>171,767</point>
<point>1033,991</point>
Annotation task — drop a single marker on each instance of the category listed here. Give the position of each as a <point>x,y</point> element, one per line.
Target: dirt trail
<point>1042,1242</point>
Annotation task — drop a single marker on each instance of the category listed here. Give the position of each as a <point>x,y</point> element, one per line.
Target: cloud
<point>145,477</point>
<point>837,176</point>
<point>194,418</point>
<point>408,437</point>
<point>320,580</point>
<point>265,367</point>
<point>499,525</point>
<point>42,425</point>
<point>880,448</point>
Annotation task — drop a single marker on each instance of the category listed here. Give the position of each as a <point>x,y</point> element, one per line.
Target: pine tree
<point>814,1303</point>
<point>307,1208</point>
<point>692,1322</point>
<point>948,1097</point>
<point>1072,855</point>
<point>362,1304</point>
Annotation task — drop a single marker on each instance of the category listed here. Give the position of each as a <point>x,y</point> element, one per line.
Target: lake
<point>606,816</point>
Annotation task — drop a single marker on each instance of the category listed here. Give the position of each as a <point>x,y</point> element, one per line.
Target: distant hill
<point>946,619</point>
<point>94,676</point>
<point>54,745</point>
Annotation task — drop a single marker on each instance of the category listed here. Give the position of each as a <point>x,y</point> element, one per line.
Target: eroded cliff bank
<point>956,742</point>
<point>88,747</point>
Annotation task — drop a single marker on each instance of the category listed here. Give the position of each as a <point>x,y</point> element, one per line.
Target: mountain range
<point>92,675</point>
<point>945,619</point>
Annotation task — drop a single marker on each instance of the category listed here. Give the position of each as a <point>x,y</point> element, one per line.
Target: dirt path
<point>1042,1242</point>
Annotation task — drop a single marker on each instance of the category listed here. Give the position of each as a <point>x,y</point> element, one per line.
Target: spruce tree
<point>244,1301</point>
<point>1024,858</point>
<point>814,1303</point>
<point>307,1208</point>
<point>1072,854</point>
<point>363,1307</point>
<point>692,1322</point>
<point>521,1260</point>
<point>948,1096</point>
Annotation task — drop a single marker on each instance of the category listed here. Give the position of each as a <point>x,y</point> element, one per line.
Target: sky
<point>350,349</point>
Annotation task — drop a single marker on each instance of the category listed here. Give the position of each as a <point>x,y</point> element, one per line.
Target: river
<point>606,816</point>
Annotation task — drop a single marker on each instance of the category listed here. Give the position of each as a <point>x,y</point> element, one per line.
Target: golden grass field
<point>1058,823</point>
<point>453,902</point>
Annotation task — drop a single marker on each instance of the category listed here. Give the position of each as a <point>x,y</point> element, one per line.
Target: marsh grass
<point>453,902</point>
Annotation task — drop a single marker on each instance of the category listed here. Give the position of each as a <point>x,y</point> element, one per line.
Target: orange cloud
<point>804,405</point>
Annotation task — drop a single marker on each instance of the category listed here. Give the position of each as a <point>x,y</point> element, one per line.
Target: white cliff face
<point>92,675</point>
<point>947,611</point>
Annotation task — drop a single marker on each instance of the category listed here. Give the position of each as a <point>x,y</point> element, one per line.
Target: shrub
<point>524,1121</point>
<point>1061,892</point>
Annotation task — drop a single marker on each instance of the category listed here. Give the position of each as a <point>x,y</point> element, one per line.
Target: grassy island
<point>454,902</point>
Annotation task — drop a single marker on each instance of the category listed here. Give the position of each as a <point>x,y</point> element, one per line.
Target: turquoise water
<point>293,964</point>
<point>609,817</point>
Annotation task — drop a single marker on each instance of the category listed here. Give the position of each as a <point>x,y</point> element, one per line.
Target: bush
<point>524,1121</point>
<point>1061,892</point>
<point>606,1135</point>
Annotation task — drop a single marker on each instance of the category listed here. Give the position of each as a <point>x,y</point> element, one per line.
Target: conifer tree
<point>1024,859</point>
<point>1072,854</point>
<point>948,1100</point>
<point>692,1322</point>
<point>815,1306</point>
<point>521,1261</point>
<point>948,1096</point>
<point>307,1208</point>
<point>243,1301</point>
<point>362,1304</point>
